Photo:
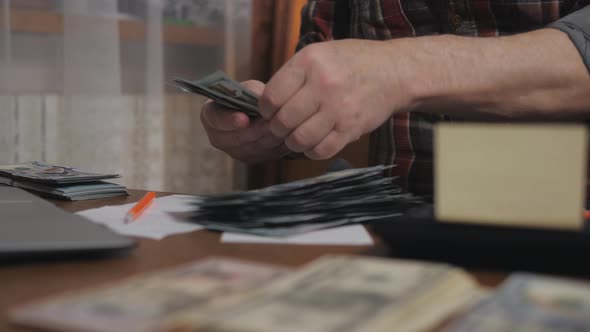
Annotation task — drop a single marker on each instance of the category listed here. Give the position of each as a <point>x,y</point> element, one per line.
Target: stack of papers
<point>59,182</point>
<point>351,235</point>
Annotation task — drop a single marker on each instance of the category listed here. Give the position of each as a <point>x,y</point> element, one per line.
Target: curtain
<point>84,83</point>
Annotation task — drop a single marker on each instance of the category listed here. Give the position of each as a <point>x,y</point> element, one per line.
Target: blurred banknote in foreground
<point>151,302</point>
<point>349,294</point>
<point>331,294</point>
<point>526,302</point>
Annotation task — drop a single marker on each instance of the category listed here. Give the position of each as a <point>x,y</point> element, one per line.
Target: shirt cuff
<point>577,27</point>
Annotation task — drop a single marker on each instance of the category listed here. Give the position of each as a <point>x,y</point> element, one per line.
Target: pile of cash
<point>330,200</point>
<point>331,294</point>
<point>156,301</point>
<point>529,302</point>
<point>224,91</point>
<point>348,293</point>
<point>59,182</point>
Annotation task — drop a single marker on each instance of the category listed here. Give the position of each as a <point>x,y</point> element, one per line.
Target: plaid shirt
<point>406,138</point>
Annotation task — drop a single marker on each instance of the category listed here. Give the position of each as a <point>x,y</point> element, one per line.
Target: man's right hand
<point>250,141</point>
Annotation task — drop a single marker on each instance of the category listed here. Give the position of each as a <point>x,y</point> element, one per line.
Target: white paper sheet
<point>354,235</point>
<point>165,216</point>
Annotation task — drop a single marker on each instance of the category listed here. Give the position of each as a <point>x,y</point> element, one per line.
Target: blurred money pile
<point>224,91</point>
<point>331,294</point>
<point>330,200</point>
<point>59,182</point>
<point>334,293</point>
<point>348,293</point>
<point>151,302</point>
<point>528,302</point>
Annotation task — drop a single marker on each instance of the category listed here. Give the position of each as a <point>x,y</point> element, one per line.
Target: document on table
<point>165,216</point>
<point>355,235</point>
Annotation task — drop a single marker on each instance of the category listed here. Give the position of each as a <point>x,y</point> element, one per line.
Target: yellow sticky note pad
<point>530,175</point>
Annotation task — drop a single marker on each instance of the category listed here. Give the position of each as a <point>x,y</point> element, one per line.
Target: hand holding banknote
<point>322,99</point>
<point>245,138</point>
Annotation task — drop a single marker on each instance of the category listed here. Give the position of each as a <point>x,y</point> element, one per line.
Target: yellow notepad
<point>530,175</point>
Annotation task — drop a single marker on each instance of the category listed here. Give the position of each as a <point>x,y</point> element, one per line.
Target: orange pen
<point>138,209</point>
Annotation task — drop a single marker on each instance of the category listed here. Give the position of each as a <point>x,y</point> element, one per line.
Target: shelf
<point>44,22</point>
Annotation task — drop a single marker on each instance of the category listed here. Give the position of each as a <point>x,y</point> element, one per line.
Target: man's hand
<point>235,134</point>
<point>329,94</point>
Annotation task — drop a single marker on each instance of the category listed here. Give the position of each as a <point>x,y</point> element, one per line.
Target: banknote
<point>69,191</point>
<point>527,302</point>
<point>330,200</point>
<point>41,172</point>
<point>223,90</point>
<point>283,230</point>
<point>151,302</point>
<point>348,294</point>
<point>220,82</point>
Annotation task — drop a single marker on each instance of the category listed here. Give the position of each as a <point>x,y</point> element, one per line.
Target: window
<point>84,83</point>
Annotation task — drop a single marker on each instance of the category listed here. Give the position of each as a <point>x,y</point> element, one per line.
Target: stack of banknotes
<point>331,294</point>
<point>333,199</point>
<point>529,302</point>
<point>224,91</point>
<point>59,182</point>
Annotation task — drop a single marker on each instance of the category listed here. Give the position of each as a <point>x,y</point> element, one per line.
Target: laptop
<point>31,227</point>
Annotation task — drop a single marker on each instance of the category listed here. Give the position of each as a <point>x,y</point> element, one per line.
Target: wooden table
<point>21,283</point>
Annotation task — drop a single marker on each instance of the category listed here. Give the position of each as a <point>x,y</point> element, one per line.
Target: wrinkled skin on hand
<point>331,93</point>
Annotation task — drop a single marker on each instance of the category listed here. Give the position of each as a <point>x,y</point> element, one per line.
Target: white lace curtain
<point>94,95</point>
